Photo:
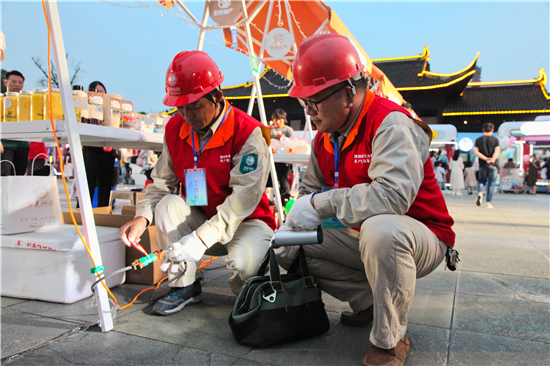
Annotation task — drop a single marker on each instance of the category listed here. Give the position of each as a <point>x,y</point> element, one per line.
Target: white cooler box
<point>53,265</point>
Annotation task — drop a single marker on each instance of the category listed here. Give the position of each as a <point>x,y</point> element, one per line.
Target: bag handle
<point>32,166</point>
<point>274,272</point>
<point>263,267</point>
<point>300,262</point>
<point>8,161</point>
<point>304,270</point>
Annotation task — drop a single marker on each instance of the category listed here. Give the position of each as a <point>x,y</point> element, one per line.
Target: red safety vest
<point>355,157</point>
<point>216,158</point>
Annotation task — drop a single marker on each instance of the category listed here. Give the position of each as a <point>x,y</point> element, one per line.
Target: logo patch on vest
<point>249,163</point>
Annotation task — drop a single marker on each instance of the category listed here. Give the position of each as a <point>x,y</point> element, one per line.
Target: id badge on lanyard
<point>195,187</point>
<point>333,222</point>
<point>195,179</point>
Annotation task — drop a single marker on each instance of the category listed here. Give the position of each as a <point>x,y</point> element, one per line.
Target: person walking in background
<point>433,159</point>
<point>457,176</point>
<point>533,176</point>
<point>127,158</point>
<point>544,170</point>
<point>445,165</point>
<point>443,159</point>
<point>440,175</point>
<point>470,177</point>
<point>67,165</point>
<point>487,150</point>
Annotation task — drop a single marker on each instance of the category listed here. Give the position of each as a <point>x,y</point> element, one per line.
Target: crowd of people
<point>484,171</point>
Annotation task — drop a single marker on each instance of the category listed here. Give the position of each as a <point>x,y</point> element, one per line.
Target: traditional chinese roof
<point>412,73</point>
<point>273,85</point>
<point>507,97</point>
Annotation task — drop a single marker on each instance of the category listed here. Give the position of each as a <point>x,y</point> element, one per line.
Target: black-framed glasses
<point>314,105</point>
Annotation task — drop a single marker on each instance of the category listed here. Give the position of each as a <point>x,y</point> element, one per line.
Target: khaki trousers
<point>174,219</point>
<point>379,267</point>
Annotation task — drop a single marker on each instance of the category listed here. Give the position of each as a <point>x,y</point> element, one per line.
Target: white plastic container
<point>53,265</point>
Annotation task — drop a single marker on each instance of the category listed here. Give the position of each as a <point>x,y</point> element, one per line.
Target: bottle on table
<point>24,103</point>
<point>10,107</point>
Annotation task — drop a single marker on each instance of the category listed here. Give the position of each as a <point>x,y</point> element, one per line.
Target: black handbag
<point>279,308</point>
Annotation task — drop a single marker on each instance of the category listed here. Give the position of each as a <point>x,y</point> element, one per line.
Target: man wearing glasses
<point>370,183</point>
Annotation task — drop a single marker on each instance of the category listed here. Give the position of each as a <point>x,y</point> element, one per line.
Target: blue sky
<point>129,49</point>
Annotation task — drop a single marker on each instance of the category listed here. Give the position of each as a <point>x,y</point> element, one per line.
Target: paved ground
<point>495,310</point>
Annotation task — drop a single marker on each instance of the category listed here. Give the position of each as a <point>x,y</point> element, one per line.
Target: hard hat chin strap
<point>347,118</point>
<point>353,92</point>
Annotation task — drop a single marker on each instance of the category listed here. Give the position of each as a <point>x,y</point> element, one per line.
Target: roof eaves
<point>469,74</point>
<point>447,114</point>
<point>541,79</point>
<point>425,54</point>
<point>470,67</point>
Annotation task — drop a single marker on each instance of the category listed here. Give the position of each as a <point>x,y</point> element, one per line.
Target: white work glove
<point>286,251</point>
<point>172,267</point>
<point>302,215</point>
<point>189,249</point>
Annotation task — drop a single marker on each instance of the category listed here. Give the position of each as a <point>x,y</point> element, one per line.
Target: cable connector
<point>145,261</point>
<point>159,253</point>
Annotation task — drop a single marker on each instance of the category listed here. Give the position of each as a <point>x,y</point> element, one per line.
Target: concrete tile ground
<point>495,310</point>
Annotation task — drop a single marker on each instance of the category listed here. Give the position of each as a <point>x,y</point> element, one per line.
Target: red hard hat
<point>190,76</point>
<point>323,60</point>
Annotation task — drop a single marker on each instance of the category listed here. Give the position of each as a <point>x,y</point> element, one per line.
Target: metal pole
<point>263,118</point>
<point>251,102</point>
<point>266,29</point>
<point>184,8</point>
<point>203,26</point>
<point>106,320</point>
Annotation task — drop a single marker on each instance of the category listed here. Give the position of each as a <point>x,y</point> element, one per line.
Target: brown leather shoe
<point>387,357</point>
<point>360,319</point>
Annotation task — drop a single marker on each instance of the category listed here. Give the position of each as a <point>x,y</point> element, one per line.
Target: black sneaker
<point>177,298</point>
<point>479,199</point>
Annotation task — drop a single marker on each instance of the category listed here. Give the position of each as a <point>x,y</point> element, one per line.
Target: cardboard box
<point>104,217</point>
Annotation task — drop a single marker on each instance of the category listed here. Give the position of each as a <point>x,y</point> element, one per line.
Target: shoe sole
<point>478,200</point>
<point>192,301</point>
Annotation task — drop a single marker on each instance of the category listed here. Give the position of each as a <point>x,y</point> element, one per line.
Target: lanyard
<point>196,153</point>
<point>336,163</point>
